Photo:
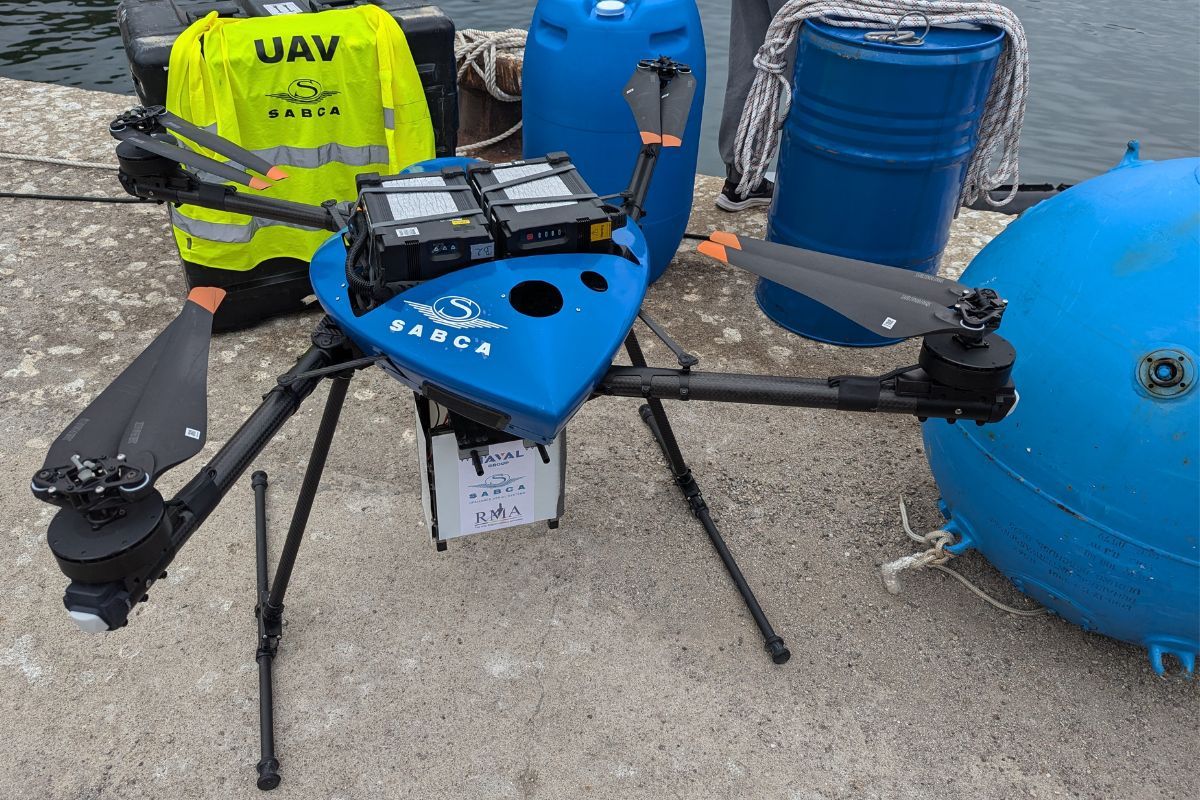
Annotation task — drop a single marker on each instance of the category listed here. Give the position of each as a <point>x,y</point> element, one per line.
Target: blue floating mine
<point>1087,496</point>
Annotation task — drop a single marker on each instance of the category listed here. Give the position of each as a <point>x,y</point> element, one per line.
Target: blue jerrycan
<point>578,57</point>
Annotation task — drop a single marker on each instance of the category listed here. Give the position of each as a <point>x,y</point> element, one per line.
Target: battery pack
<point>542,205</point>
<point>422,225</point>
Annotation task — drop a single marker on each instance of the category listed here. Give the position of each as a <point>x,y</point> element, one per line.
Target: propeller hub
<point>665,66</point>
<point>98,487</point>
<point>981,309</point>
<point>138,118</point>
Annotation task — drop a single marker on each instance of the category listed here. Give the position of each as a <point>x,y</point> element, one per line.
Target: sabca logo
<point>304,90</point>
<point>306,93</point>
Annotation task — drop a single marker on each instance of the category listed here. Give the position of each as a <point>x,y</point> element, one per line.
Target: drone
<point>503,325</point>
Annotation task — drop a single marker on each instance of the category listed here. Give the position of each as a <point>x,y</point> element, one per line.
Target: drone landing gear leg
<point>655,417</point>
<point>268,641</point>
<point>271,593</point>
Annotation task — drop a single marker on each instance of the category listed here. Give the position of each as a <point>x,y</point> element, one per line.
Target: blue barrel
<point>578,57</point>
<point>873,156</point>
<point>1086,496</point>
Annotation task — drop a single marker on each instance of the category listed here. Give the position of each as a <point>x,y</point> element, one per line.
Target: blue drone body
<point>524,339</point>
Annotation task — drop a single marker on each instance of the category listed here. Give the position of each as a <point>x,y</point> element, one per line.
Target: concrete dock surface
<point>610,658</point>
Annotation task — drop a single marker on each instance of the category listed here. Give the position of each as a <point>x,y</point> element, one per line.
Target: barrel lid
<point>610,8</point>
<point>940,39</point>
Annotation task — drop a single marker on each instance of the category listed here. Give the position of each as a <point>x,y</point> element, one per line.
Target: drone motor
<point>953,360</point>
<point>133,540</point>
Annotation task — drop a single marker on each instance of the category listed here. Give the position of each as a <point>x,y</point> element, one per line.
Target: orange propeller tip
<point>671,141</point>
<point>726,238</point>
<point>650,138</point>
<point>259,183</point>
<point>276,174</point>
<point>713,250</point>
<point>207,297</point>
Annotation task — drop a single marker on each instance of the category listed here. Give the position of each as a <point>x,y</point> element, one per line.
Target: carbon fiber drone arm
<point>151,177</point>
<point>910,392</point>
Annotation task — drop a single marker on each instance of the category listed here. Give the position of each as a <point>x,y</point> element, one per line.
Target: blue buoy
<point>578,57</point>
<point>1087,496</point>
<point>873,156</point>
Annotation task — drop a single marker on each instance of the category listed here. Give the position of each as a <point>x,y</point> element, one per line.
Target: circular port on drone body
<point>536,298</point>
<point>594,281</point>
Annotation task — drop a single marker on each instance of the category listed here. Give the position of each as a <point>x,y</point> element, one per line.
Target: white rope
<point>467,149</point>
<point>935,558</point>
<point>477,50</point>
<point>64,162</point>
<point>1004,111</point>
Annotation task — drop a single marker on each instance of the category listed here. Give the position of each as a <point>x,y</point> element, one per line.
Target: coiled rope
<point>769,100</point>
<point>935,558</point>
<point>477,50</point>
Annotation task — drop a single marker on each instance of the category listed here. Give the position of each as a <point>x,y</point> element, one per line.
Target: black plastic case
<point>149,28</point>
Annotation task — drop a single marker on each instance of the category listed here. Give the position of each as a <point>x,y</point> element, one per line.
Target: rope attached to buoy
<point>935,558</point>
<point>769,100</point>
<point>477,50</point>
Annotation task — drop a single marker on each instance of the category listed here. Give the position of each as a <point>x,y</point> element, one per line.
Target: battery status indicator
<point>544,235</point>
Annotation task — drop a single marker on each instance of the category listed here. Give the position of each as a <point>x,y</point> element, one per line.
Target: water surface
<point>1103,71</point>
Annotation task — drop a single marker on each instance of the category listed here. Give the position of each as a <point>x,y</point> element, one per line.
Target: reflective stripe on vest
<point>228,232</point>
<point>325,96</point>
<point>313,157</point>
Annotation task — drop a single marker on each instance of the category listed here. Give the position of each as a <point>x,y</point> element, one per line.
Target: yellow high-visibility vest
<point>325,96</point>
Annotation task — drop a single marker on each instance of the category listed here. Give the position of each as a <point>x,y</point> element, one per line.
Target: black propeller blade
<point>220,145</point>
<point>154,415</point>
<point>189,158</point>
<point>676,106</point>
<point>886,300</point>
<point>931,287</point>
<point>643,95</point>
<point>660,95</point>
